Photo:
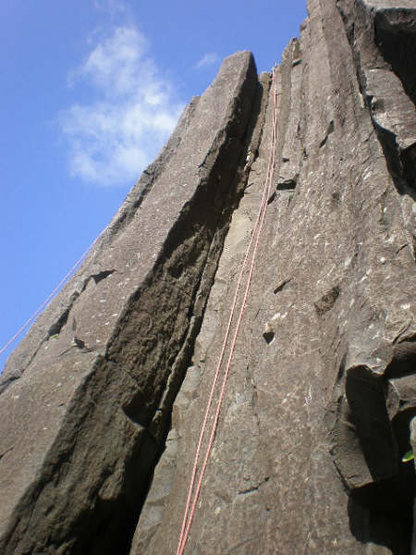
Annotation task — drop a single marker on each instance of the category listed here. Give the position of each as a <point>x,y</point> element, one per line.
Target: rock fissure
<point>254,488</point>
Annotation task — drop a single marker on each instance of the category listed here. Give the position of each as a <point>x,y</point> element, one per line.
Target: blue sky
<point>91,89</point>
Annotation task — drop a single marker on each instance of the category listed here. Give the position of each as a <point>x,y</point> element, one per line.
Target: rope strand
<point>255,238</point>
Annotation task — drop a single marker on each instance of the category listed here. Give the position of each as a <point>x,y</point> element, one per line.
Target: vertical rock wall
<point>307,456</point>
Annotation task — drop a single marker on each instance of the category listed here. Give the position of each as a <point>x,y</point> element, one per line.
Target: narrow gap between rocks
<point>161,425</point>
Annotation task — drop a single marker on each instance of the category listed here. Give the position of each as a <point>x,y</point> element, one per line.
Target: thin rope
<point>49,299</point>
<point>255,237</point>
<point>221,357</point>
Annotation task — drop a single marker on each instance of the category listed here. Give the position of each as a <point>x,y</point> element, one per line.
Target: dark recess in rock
<point>268,336</point>
<point>328,132</point>
<point>287,185</point>
<point>271,198</point>
<point>281,286</point>
<point>395,32</point>
<point>102,275</point>
<point>59,324</point>
<point>327,301</point>
<point>379,416</point>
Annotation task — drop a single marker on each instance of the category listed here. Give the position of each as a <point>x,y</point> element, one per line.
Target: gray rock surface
<point>86,400</point>
<point>307,456</point>
<point>103,402</point>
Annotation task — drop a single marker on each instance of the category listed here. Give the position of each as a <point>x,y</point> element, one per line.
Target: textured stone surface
<point>323,368</point>
<point>321,396</point>
<point>84,423</point>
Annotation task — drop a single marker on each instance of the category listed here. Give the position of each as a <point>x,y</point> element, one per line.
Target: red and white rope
<point>193,493</point>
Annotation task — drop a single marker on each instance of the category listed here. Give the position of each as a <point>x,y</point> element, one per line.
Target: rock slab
<point>86,398</point>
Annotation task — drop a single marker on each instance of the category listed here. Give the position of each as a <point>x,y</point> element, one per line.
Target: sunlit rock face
<point>103,402</point>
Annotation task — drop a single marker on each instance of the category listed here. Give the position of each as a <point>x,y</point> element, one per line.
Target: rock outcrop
<point>103,402</point>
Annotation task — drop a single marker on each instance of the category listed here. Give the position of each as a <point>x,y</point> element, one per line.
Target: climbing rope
<point>47,301</point>
<point>193,492</point>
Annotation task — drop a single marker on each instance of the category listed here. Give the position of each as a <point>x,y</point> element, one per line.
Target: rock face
<point>103,402</point>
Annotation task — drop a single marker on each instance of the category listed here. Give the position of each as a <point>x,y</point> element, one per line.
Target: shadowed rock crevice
<point>367,401</point>
<point>281,286</point>
<point>383,524</point>
<point>395,32</point>
<point>369,440</point>
<point>102,275</point>
<point>59,324</point>
<point>287,184</point>
<point>401,163</point>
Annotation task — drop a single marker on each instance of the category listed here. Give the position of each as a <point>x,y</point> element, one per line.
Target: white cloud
<point>207,60</point>
<point>131,114</point>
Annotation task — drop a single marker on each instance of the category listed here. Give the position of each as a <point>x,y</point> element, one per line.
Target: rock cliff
<point>103,402</point>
